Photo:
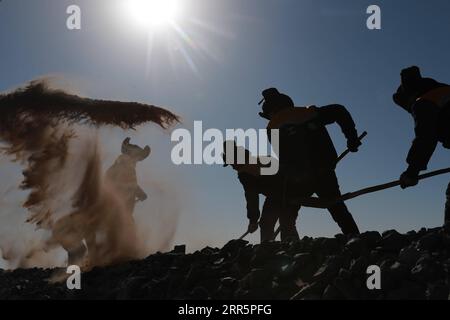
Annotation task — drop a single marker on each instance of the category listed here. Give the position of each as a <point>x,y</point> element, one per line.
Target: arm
<point>425,119</point>
<point>336,113</point>
<point>251,197</point>
<point>140,194</point>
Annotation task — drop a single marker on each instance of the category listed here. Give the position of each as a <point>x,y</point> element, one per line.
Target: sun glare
<point>174,28</point>
<point>152,13</point>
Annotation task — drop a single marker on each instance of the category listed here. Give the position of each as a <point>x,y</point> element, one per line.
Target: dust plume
<point>68,195</point>
<point>157,219</point>
<point>39,100</point>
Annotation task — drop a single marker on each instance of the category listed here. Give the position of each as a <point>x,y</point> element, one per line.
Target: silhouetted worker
<point>428,101</point>
<point>307,159</point>
<point>122,174</point>
<point>253,182</point>
<point>86,223</point>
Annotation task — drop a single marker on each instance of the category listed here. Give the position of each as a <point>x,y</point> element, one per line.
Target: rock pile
<point>415,265</point>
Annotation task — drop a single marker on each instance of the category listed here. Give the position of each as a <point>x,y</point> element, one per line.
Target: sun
<point>154,13</point>
<point>173,31</point>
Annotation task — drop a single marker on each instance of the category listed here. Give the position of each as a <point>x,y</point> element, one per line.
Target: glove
<point>409,178</point>
<point>252,227</point>
<point>353,144</point>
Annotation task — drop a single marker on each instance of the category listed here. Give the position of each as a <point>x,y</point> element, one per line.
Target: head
<point>406,93</point>
<point>273,102</point>
<point>410,76</point>
<point>135,152</point>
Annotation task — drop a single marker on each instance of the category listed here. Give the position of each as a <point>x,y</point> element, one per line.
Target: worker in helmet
<point>428,101</point>
<point>307,160</point>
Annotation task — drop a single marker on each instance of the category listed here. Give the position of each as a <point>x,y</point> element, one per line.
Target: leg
<point>328,187</point>
<point>447,205</point>
<point>288,219</point>
<point>269,217</point>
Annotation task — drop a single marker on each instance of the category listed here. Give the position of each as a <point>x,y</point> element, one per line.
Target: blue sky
<point>319,52</point>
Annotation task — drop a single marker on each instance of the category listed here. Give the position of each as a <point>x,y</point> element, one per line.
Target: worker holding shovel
<point>428,101</point>
<point>307,160</point>
<point>307,155</point>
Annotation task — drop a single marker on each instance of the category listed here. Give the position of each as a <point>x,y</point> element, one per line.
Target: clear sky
<point>319,52</point>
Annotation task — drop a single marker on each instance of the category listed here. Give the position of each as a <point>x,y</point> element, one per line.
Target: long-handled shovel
<point>326,203</point>
<point>244,235</point>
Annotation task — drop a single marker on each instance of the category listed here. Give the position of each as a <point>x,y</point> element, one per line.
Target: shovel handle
<point>346,152</point>
<point>244,235</point>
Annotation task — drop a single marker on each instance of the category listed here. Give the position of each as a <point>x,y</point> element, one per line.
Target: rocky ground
<point>415,265</point>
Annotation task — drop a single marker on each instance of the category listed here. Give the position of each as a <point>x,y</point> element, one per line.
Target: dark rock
<point>283,291</point>
<point>359,265</point>
<point>199,293</point>
<point>325,246</point>
<point>445,240</point>
<point>341,238</point>
<point>332,293</point>
<point>446,228</point>
<point>357,247</point>
<point>264,253</point>
<point>310,292</point>
<point>398,271</point>
<point>211,284</point>
<point>430,242</point>
<point>409,255</point>
<point>284,267</point>
<point>303,259</point>
<point>407,291</point>
<point>427,269</point>
<point>388,279</point>
<point>244,257</point>
<point>132,288</point>
<point>241,294</point>
<point>437,291</point>
<point>371,238</point>
<point>375,256</point>
<point>229,282</point>
<point>412,236</point>
<point>413,266</point>
<point>345,274</point>
<point>330,245</point>
<point>257,278</point>
<point>207,251</point>
<point>181,249</point>
<point>195,274</point>
<point>392,241</point>
<point>346,288</point>
<point>303,267</point>
<point>233,246</point>
<point>328,270</point>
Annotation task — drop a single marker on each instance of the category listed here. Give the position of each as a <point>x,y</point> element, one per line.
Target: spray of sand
<point>68,193</point>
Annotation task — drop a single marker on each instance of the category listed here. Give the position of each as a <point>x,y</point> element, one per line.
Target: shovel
<point>326,203</point>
